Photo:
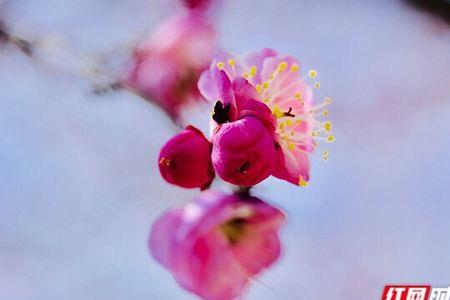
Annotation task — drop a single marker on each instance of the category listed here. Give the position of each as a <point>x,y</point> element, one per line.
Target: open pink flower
<point>216,244</point>
<point>185,160</point>
<point>167,66</point>
<point>273,81</point>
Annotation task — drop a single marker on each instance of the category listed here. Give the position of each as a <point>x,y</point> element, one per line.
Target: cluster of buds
<point>264,122</point>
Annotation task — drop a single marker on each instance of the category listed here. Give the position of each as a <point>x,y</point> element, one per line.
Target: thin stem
<point>28,48</point>
<point>243,191</point>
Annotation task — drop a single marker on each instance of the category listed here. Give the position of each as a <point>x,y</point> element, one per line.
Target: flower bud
<point>243,152</point>
<point>185,160</point>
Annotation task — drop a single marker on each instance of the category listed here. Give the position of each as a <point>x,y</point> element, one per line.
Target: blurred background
<point>79,186</point>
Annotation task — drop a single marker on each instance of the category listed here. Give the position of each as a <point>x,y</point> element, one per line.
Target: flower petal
<point>291,165</point>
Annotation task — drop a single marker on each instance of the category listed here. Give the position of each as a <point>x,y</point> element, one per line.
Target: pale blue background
<point>79,187</point>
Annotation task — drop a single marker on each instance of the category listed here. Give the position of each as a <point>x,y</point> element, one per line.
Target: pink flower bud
<point>243,152</point>
<point>185,160</point>
<point>216,244</point>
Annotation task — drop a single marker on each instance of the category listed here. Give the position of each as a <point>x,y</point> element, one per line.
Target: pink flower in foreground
<point>216,244</point>
<point>185,160</point>
<point>273,81</point>
<point>167,66</point>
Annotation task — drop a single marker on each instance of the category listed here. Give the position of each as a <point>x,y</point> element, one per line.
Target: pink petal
<point>291,165</point>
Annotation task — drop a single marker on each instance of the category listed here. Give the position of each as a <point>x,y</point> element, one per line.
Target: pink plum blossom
<point>216,244</point>
<point>272,81</point>
<point>168,65</point>
<point>185,160</point>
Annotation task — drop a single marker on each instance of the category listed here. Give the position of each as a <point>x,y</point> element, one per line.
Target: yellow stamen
<point>325,112</point>
<point>253,71</point>
<point>276,111</point>
<point>294,68</point>
<point>330,138</point>
<point>317,85</point>
<point>266,85</point>
<point>312,73</point>
<point>231,62</point>
<point>302,182</point>
<point>316,133</point>
<point>220,65</point>
<point>291,146</point>
<point>325,155</point>
<point>327,126</point>
<point>282,66</point>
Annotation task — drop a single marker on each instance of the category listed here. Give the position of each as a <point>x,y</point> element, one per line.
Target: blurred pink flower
<point>185,160</point>
<point>216,244</point>
<point>167,66</point>
<point>273,81</point>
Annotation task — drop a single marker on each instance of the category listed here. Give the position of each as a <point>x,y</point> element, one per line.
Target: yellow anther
<point>302,182</point>
<point>312,73</point>
<point>298,96</point>
<point>316,133</point>
<point>267,100</point>
<point>246,75</point>
<point>231,62</point>
<point>291,146</point>
<point>294,68</point>
<point>266,85</point>
<point>288,122</point>
<point>328,100</point>
<point>282,66</point>
<point>330,138</point>
<point>253,71</point>
<point>258,88</point>
<point>327,126</point>
<point>317,85</point>
<point>325,112</point>
<point>298,121</point>
<point>325,155</point>
<point>276,111</point>
<point>281,126</point>
<point>220,65</point>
